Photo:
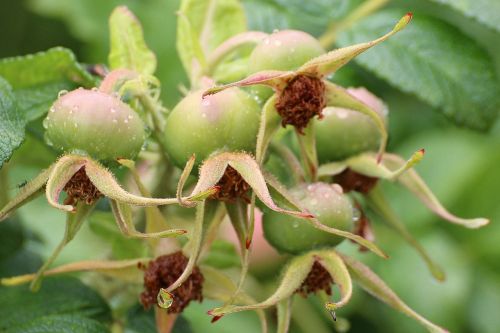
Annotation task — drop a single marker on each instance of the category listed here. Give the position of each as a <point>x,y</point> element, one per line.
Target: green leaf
<point>128,47</point>
<point>61,324</point>
<point>11,238</point>
<point>205,24</point>
<point>436,62</point>
<point>11,122</point>
<point>484,11</point>
<point>37,78</point>
<point>61,305</point>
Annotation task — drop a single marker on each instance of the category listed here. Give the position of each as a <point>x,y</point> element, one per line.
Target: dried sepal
<point>374,285</point>
<point>292,278</point>
<point>330,62</point>
<point>413,182</point>
<point>378,203</point>
<point>27,193</point>
<point>123,218</point>
<point>108,186</point>
<point>123,269</point>
<point>73,223</point>
<point>333,263</point>
<point>63,170</point>
<point>274,79</point>
<point>339,97</point>
<point>214,168</point>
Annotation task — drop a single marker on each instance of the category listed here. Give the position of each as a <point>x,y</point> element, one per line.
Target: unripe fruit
<point>284,50</point>
<point>94,123</point>
<point>343,133</point>
<point>226,121</point>
<point>294,235</point>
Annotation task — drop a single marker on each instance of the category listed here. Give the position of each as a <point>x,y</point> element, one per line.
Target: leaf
<point>376,287</point>
<point>59,300</point>
<point>205,24</point>
<point>38,78</point>
<point>436,62</point>
<point>62,324</point>
<point>11,122</point>
<point>128,47</point>
<point>485,11</point>
<point>11,238</point>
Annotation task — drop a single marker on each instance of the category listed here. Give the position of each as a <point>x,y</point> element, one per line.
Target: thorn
<point>410,15</point>
<point>248,242</point>
<point>422,151</point>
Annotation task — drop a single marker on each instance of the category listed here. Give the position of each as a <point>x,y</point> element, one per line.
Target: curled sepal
<point>332,262</point>
<point>73,223</point>
<point>213,169</point>
<point>106,183</point>
<point>367,165</point>
<point>374,285</point>
<point>182,181</point>
<point>123,218</point>
<point>378,203</point>
<point>274,79</point>
<point>27,193</point>
<point>269,124</point>
<point>293,276</point>
<point>339,97</point>
<point>194,245</point>
<point>220,287</point>
<point>333,60</point>
<point>283,196</point>
<point>412,181</point>
<point>123,269</point>
<point>61,173</point>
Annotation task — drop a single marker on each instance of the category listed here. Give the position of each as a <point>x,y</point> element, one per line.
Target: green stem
<point>363,10</point>
<point>307,143</point>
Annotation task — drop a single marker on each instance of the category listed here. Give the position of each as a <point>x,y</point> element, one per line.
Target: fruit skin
<point>343,133</point>
<point>284,50</point>
<point>293,235</point>
<point>96,124</point>
<point>227,121</point>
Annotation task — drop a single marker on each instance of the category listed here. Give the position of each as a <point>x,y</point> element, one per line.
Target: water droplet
<point>295,224</point>
<point>356,214</point>
<point>52,109</point>
<point>164,299</point>
<point>342,113</point>
<point>205,102</point>
<point>45,123</point>
<point>62,93</point>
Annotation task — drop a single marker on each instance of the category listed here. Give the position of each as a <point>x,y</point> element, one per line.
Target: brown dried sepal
<point>80,188</point>
<point>231,187</point>
<point>318,279</point>
<point>302,99</point>
<point>353,181</point>
<point>163,272</point>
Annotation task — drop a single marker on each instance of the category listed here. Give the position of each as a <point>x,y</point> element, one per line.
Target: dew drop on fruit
<point>45,123</point>
<point>62,93</point>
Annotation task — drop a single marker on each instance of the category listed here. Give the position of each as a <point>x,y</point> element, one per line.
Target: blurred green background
<point>461,166</point>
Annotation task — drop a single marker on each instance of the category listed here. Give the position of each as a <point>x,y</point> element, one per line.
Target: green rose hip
<point>293,235</point>
<point>228,121</point>
<point>342,133</point>
<point>283,50</point>
<point>96,124</point>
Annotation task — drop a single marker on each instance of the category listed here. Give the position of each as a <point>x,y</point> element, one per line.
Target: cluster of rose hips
<point>331,140</point>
